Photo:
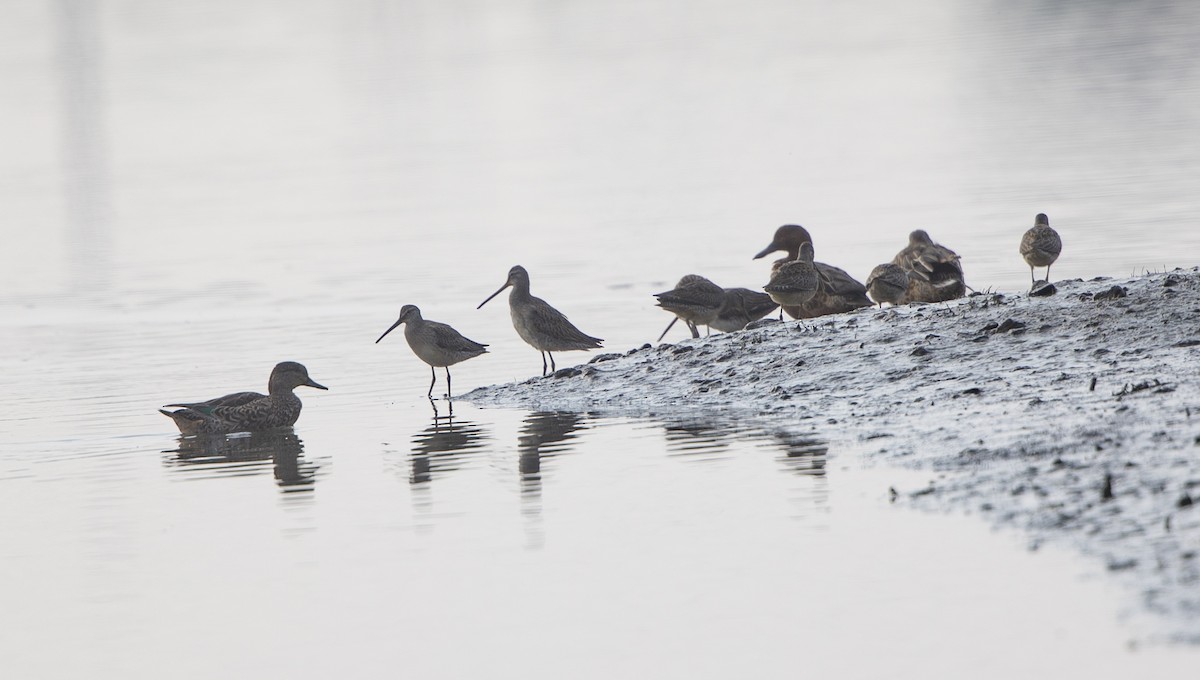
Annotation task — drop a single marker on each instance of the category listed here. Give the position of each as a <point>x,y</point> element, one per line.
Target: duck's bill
<point>765,252</point>
<point>489,299</point>
<point>314,383</point>
<point>389,330</point>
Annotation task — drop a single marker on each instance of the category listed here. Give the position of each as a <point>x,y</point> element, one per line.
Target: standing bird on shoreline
<point>742,307</point>
<point>934,271</point>
<point>435,343</point>
<point>836,292</point>
<point>545,328</point>
<point>1040,246</point>
<point>795,282</point>
<point>887,283</point>
<point>247,411</point>
<point>694,299</point>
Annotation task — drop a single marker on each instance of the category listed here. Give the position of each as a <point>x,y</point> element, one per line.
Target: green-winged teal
<point>836,292</point>
<point>694,299</point>
<point>1040,246</point>
<point>247,411</point>
<point>545,328</point>
<point>934,271</point>
<point>435,343</point>
<point>742,306</point>
<point>887,283</point>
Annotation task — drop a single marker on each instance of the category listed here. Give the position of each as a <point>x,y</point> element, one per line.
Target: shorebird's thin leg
<point>553,368</point>
<point>695,331</point>
<point>1032,278</point>
<point>1047,273</point>
<point>447,383</point>
<point>432,382</point>
<point>664,333</point>
<point>543,364</point>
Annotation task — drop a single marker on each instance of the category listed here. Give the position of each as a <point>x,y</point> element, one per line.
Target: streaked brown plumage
<point>795,282</point>
<point>545,328</point>
<point>247,411</point>
<point>1040,246</point>
<point>694,299</point>
<point>435,343</point>
<point>887,283</point>
<point>934,271</point>
<point>742,306</point>
<point>836,292</point>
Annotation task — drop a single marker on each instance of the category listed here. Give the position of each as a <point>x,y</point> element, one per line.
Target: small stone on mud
<point>604,357</point>
<point>683,349</point>
<point>1185,502</point>
<point>1106,490</point>
<point>920,352</point>
<point>1188,343</point>
<point>1111,294</point>
<point>1042,289</point>
<point>972,390</point>
<point>566,373</point>
<point>1010,325</point>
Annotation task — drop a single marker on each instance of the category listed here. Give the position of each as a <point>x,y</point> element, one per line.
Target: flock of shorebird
<point>923,271</point>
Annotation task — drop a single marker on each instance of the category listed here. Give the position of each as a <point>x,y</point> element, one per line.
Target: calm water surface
<point>192,192</point>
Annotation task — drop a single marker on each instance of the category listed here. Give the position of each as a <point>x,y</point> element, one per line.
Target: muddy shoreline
<point>1073,417</point>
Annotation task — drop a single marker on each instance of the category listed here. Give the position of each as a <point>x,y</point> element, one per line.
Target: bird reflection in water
<point>544,435</point>
<point>442,446</point>
<point>217,456</point>
<point>700,436</point>
<point>804,454</point>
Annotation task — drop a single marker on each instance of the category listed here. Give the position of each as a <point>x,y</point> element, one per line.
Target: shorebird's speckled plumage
<point>1040,246</point>
<point>934,271</point>
<point>435,343</point>
<point>887,283</point>
<point>545,328</point>
<point>742,306</point>
<point>795,282</point>
<point>247,411</point>
<point>836,292</point>
<point>694,299</point>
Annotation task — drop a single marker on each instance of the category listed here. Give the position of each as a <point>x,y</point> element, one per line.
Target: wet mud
<point>1073,415</point>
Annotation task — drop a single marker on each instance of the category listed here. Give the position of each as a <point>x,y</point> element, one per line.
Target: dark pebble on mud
<point>1187,343</point>
<point>604,357</point>
<point>1042,289</point>
<point>1185,502</point>
<point>683,349</point>
<point>920,352</point>
<point>1010,325</point>
<point>1106,490</point>
<point>566,373</point>
<point>1111,294</point>
<point>972,390</point>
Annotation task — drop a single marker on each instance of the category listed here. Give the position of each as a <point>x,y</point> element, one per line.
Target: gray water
<point>191,192</point>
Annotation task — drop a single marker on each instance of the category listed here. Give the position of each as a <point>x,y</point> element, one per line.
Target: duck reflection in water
<point>217,456</point>
<point>545,434</point>
<point>444,445</point>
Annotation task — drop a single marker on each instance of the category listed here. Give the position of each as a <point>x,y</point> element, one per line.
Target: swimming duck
<point>247,411</point>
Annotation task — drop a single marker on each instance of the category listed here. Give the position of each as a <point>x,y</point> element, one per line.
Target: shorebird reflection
<point>442,446</point>
<point>219,456</point>
<point>804,454</point>
<point>544,435</point>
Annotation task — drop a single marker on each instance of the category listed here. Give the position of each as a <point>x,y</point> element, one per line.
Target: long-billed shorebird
<point>1040,246</point>
<point>836,292</point>
<point>795,282</point>
<point>247,411</point>
<point>742,306</point>
<point>887,283</point>
<point>435,343</point>
<point>934,271</point>
<point>545,328</point>
<point>694,299</point>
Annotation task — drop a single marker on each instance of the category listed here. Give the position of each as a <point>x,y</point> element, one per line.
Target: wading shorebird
<point>795,282</point>
<point>887,283</point>
<point>934,271</point>
<point>1040,246</point>
<point>435,343</point>
<point>837,291</point>
<point>694,299</point>
<point>545,328</point>
<point>742,307</point>
<point>247,411</point>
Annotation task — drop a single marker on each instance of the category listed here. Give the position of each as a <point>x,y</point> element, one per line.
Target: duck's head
<point>788,238</point>
<point>288,375</point>
<point>517,276</point>
<point>407,313</point>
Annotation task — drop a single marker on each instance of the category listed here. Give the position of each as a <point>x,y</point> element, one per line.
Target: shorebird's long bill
<point>664,333</point>
<point>766,251</point>
<point>481,304</point>
<point>389,330</point>
<point>314,383</point>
